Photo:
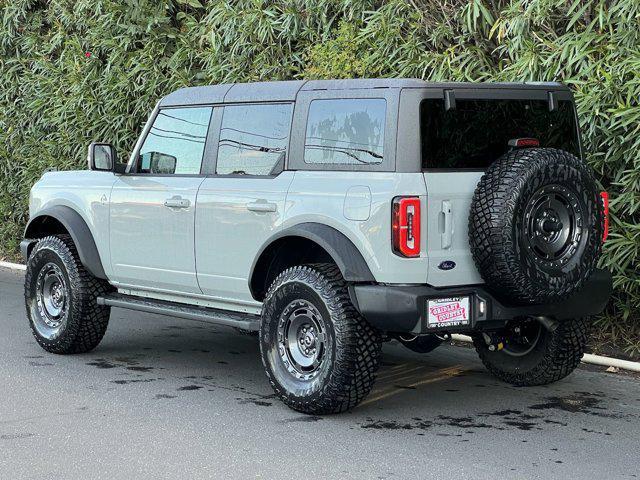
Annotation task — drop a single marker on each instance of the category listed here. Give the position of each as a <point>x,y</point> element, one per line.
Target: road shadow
<point>447,391</point>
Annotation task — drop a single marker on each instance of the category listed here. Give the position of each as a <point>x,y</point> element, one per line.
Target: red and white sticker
<point>448,312</point>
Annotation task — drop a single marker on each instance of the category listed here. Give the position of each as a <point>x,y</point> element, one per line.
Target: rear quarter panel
<point>358,204</point>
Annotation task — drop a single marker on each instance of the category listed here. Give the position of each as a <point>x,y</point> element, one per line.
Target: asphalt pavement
<point>168,398</point>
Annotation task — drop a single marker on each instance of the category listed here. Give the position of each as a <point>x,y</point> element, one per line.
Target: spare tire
<point>536,224</point>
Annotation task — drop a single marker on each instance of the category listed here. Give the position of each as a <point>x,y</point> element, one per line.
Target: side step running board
<point>245,321</point>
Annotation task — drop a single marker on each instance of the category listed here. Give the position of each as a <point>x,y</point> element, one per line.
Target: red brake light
<point>524,142</point>
<point>405,226</point>
<point>605,204</point>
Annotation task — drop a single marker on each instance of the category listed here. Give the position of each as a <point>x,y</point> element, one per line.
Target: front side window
<point>175,143</point>
<point>254,139</point>
<point>345,131</point>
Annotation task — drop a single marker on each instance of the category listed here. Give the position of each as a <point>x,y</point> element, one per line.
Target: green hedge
<point>75,71</point>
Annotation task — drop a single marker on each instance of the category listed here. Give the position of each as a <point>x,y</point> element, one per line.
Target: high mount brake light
<point>524,142</point>
<point>605,205</point>
<point>405,226</point>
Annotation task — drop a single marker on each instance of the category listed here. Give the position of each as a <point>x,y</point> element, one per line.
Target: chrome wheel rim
<point>301,339</point>
<point>52,300</point>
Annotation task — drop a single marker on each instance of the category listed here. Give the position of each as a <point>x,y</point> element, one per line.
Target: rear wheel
<point>319,354</point>
<point>528,353</point>
<point>60,298</point>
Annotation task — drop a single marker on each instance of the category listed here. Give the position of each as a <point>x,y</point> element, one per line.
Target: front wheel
<point>529,352</point>
<point>60,297</point>
<point>319,354</point>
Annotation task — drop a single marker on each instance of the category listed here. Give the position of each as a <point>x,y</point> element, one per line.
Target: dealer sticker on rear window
<point>448,312</point>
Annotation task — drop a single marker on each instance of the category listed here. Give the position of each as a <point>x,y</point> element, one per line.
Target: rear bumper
<point>403,309</point>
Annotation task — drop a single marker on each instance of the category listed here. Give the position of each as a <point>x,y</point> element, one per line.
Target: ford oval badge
<point>447,265</point>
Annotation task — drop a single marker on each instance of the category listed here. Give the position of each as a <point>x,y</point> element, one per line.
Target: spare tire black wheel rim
<point>52,300</point>
<point>301,339</point>
<point>553,225</point>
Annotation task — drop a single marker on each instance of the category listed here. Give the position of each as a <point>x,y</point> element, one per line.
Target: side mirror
<point>102,157</point>
<point>163,164</point>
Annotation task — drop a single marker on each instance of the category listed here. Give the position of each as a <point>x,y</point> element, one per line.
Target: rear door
<point>463,132</point>
<point>152,212</point>
<point>449,197</point>
<point>242,204</point>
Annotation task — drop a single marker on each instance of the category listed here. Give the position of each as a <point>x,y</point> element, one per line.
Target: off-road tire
<point>422,343</point>
<point>556,355</point>
<point>502,251</point>
<point>85,322</point>
<point>348,371</point>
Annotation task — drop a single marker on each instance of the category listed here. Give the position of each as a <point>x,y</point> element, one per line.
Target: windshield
<point>477,132</point>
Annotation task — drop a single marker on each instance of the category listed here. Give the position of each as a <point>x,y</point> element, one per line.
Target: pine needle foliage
<point>76,71</point>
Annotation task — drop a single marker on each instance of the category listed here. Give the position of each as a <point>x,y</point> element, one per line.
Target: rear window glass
<point>477,132</point>
<point>345,131</point>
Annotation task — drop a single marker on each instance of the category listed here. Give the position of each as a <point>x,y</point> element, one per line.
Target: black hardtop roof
<point>286,91</point>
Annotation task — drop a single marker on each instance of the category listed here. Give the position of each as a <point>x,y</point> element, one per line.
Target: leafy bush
<point>75,71</point>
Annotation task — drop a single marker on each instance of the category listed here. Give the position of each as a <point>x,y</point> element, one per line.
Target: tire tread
<point>89,321</point>
<point>359,344</point>
<point>561,357</point>
<point>491,223</point>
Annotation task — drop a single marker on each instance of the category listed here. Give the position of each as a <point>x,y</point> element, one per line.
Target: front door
<point>152,213</point>
<point>242,205</point>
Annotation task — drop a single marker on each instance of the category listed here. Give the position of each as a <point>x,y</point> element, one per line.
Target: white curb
<point>587,357</point>
<point>611,362</point>
<point>13,266</point>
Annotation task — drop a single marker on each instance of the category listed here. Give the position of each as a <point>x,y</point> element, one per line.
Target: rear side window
<point>175,143</point>
<point>254,139</point>
<point>476,132</point>
<point>345,131</point>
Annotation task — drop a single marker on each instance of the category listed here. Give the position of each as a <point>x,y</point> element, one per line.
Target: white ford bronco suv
<point>330,216</point>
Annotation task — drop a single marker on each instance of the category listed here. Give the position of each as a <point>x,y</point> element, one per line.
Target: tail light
<point>405,226</point>
<point>605,205</point>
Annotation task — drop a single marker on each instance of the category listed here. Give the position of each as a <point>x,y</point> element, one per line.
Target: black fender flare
<point>79,231</point>
<point>348,258</point>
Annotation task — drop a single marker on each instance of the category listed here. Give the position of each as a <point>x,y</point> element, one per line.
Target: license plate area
<point>443,313</point>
